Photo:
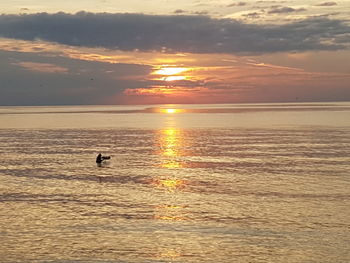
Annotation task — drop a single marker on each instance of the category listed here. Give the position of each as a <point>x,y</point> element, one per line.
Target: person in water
<point>100,158</point>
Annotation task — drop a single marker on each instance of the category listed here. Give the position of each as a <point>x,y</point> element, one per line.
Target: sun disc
<point>169,71</point>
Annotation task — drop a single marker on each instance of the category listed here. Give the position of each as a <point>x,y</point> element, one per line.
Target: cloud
<point>232,79</point>
<point>254,15</point>
<point>179,11</point>
<point>237,4</point>
<point>327,4</point>
<point>285,9</point>
<point>201,13</point>
<point>33,79</point>
<point>42,67</point>
<point>176,33</point>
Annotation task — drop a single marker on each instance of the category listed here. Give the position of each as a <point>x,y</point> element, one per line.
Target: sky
<point>166,51</point>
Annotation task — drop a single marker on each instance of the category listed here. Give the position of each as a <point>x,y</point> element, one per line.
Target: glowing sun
<point>168,71</point>
<point>170,110</point>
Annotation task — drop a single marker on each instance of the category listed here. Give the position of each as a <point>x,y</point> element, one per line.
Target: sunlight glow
<point>170,131</point>
<point>171,183</point>
<point>168,71</point>
<point>171,164</point>
<point>170,213</point>
<point>170,147</point>
<point>171,110</point>
<point>173,78</point>
<point>170,152</point>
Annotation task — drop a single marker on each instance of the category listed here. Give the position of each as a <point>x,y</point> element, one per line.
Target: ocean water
<point>185,183</point>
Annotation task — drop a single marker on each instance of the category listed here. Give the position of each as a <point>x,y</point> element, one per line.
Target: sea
<point>185,183</point>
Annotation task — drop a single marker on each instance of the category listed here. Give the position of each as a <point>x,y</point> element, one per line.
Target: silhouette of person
<point>99,158</point>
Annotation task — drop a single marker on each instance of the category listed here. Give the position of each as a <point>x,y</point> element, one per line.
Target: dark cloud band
<point>196,34</point>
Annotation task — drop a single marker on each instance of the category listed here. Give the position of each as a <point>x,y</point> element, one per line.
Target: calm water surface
<point>203,183</point>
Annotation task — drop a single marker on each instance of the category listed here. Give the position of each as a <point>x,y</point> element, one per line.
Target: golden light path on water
<point>170,145</point>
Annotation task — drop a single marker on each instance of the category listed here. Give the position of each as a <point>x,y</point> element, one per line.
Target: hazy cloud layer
<point>196,34</point>
<point>237,4</point>
<point>285,9</point>
<point>31,79</point>
<point>42,67</point>
<point>327,4</point>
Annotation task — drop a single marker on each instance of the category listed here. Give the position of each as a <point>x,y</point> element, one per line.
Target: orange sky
<point>241,59</point>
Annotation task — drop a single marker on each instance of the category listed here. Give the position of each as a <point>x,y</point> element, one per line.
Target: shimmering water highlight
<point>206,184</point>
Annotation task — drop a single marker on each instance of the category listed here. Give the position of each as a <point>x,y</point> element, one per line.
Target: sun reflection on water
<point>170,148</point>
<point>170,184</point>
<point>171,164</point>
<point>170,213</point>
<point>170,210</point>
<point>170,143</point>
<point>171,110</point>
<point>169,254</point>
